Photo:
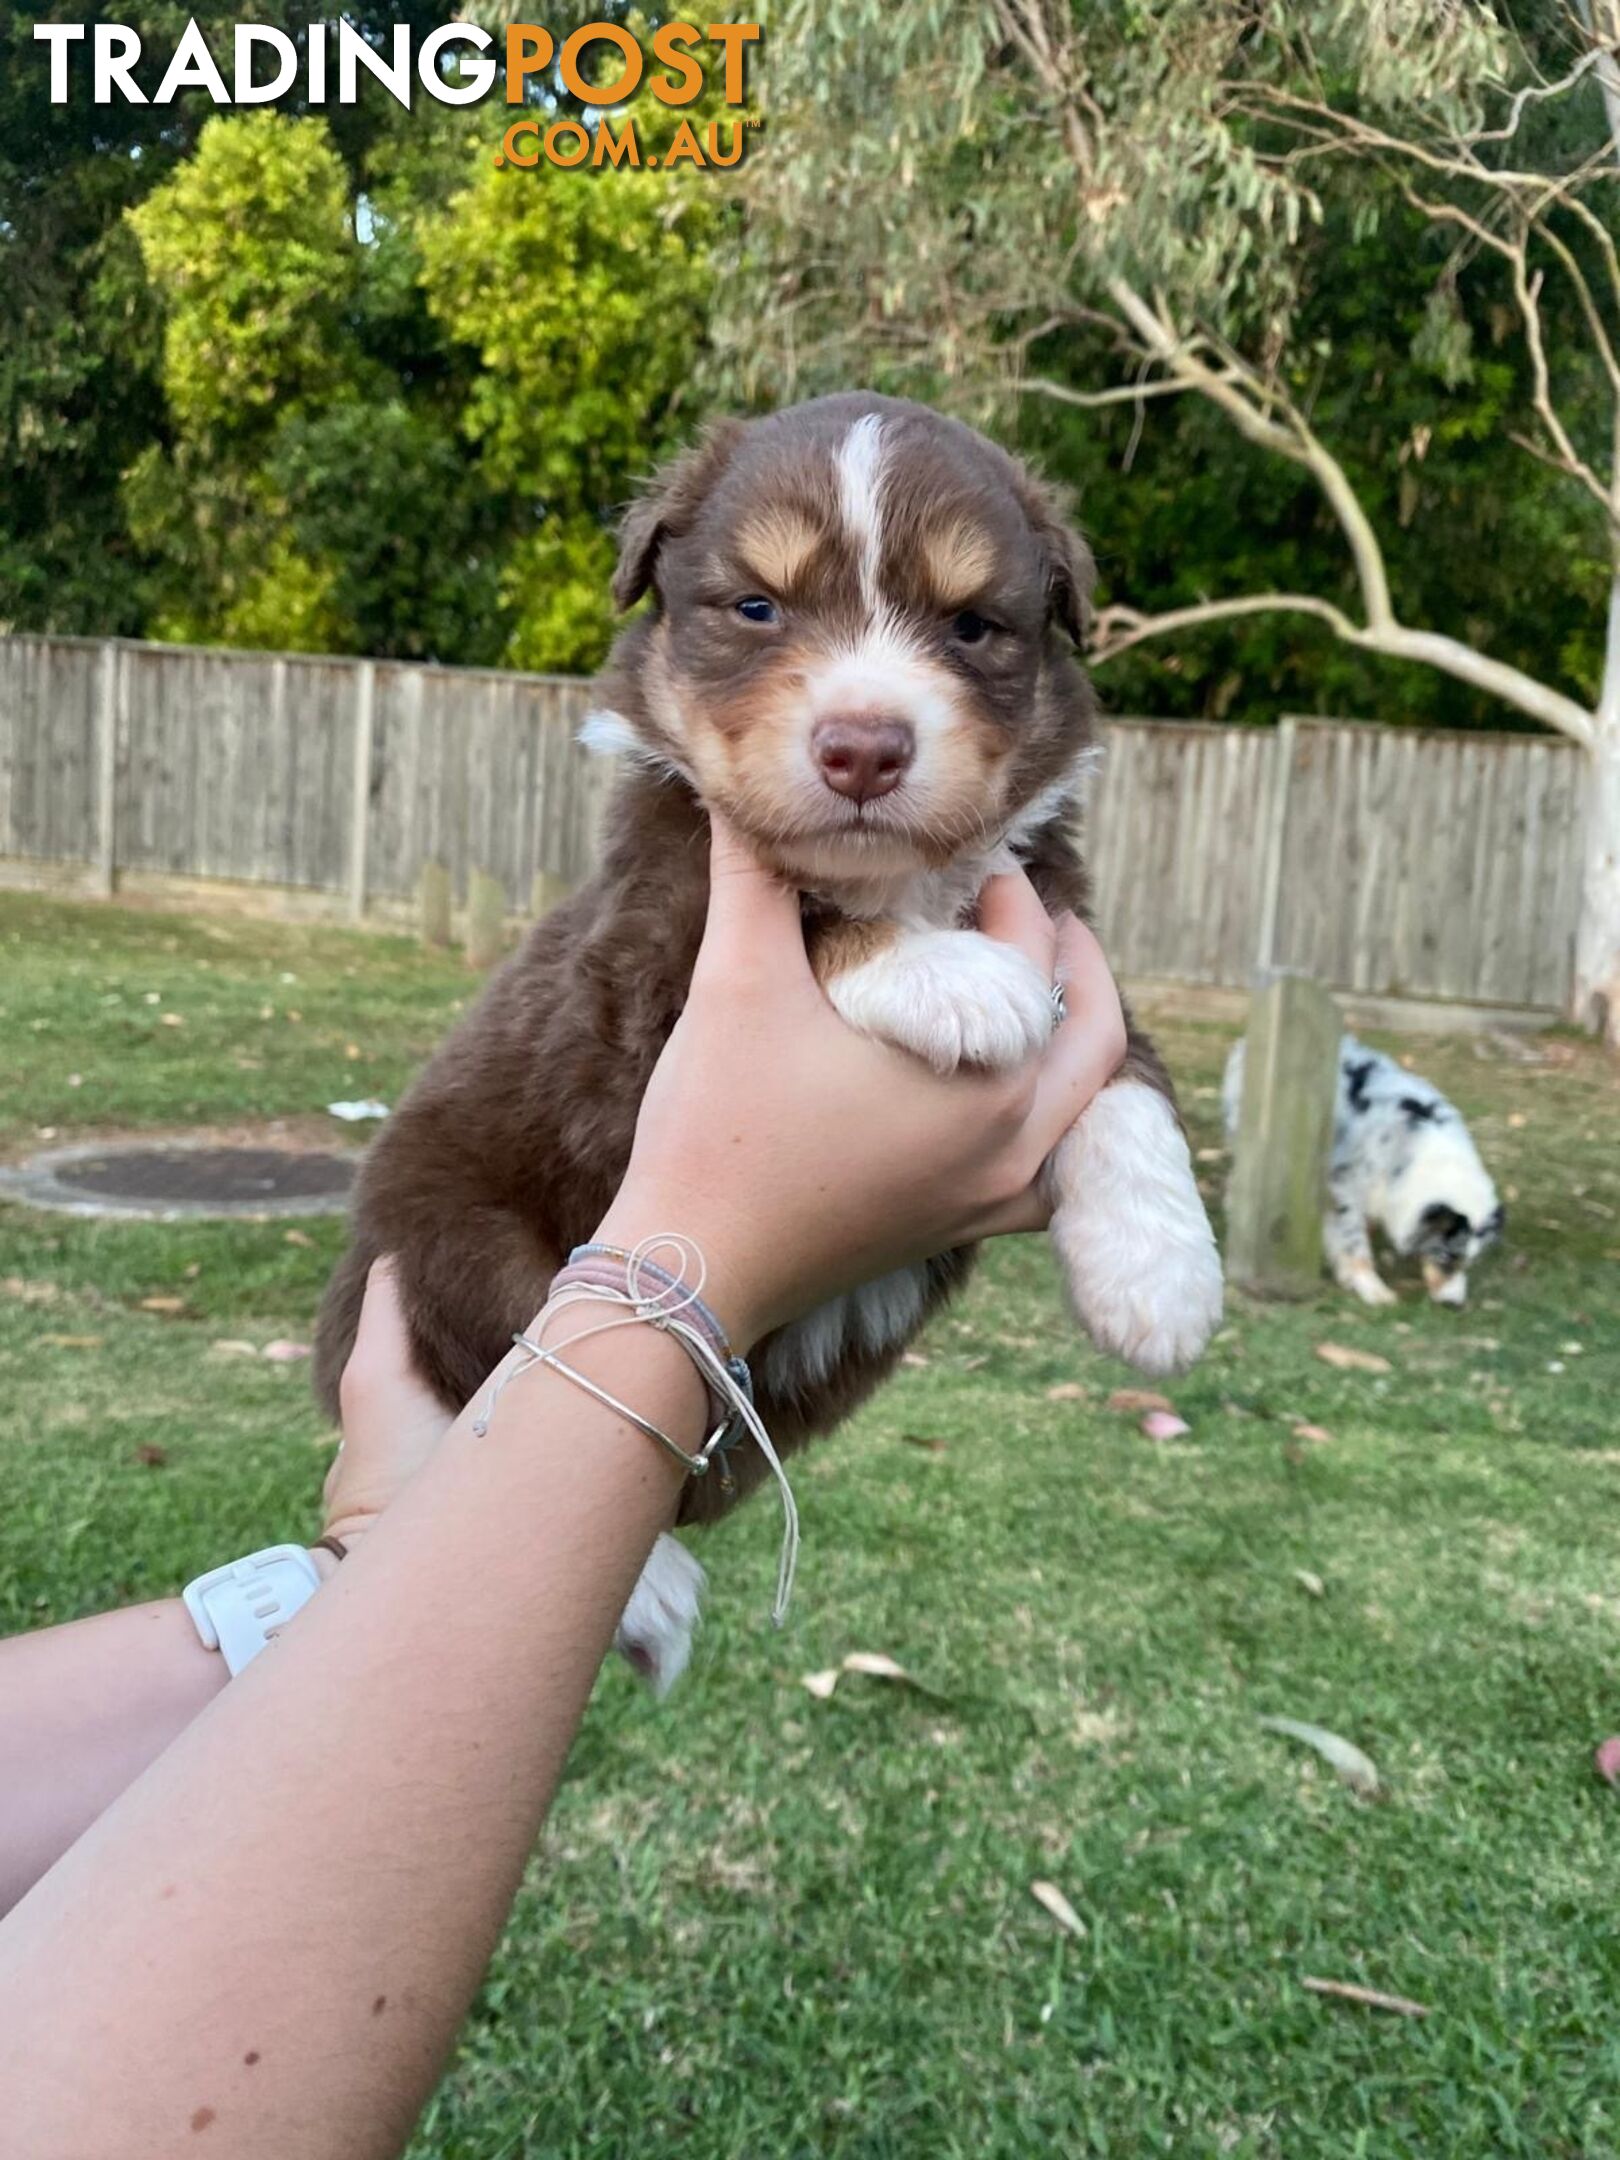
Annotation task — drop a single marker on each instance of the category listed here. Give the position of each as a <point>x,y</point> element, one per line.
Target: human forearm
<point>83,1710</point>
<point>279,1926</point>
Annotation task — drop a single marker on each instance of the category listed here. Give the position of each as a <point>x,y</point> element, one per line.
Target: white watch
<point>237,1608</point>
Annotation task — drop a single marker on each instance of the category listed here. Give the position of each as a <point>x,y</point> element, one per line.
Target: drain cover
<point>164,1180</point>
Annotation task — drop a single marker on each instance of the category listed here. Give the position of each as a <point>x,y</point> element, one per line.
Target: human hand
<point>392,1420</point>
<point>802,1157</point>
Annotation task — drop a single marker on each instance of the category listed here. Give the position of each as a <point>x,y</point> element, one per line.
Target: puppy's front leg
<point>951,997</point>
<point>1129,1228</point>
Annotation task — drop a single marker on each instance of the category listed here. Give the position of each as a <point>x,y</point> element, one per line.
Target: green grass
<point>763,1925</point>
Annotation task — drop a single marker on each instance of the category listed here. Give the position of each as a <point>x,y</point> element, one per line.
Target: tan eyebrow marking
<point>959,559</point>
<point>776,544</point>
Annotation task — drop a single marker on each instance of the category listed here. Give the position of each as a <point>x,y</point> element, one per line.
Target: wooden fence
<point>1384,861</point>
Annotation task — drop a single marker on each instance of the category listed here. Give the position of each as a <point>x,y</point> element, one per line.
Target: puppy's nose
<point>863,757</point>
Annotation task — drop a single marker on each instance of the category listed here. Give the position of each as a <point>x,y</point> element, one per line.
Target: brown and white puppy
<point>861,649</point>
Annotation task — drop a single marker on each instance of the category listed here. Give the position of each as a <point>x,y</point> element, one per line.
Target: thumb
<point>753,917</point>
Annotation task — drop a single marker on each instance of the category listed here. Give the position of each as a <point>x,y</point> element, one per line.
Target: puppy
<point>1403,1162</point>
<point>860,647</point>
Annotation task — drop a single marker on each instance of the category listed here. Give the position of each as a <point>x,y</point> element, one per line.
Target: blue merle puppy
<point>1403,1163</point>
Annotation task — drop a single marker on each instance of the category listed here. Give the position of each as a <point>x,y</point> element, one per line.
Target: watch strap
<point>241,1606</point>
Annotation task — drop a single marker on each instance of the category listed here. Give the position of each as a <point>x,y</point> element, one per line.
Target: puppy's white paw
<point>1130,1231</point>
<point>1369,1286</point>
<point>951,997</point>
<point>656,1630</point>
<point>1445,1289</point>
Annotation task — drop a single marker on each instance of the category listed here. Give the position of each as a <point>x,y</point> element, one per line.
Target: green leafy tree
<point>250,250</point>
<point>584,296</point>
<point>403,413</point>
<point>1151,183</point>
<point>80,336</point>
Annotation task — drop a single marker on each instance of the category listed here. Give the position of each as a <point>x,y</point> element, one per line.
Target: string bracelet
<point>644,1292</point>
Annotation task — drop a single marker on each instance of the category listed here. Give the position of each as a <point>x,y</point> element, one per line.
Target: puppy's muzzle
<point>863,756</point>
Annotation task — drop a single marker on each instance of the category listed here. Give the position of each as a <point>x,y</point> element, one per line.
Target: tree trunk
<point>1597,941</point>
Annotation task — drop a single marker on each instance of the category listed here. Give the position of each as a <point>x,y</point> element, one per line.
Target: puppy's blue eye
<point>970,629</point>
<point>756,608</point>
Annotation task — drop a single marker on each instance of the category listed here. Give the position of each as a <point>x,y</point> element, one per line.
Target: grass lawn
<point>762,1925</point>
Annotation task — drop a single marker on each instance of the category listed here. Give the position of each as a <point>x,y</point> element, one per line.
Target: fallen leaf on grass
<point>29,1293</point>
<point>914,1358</point>
<point>1311,1584</point>
<point>923,1440</point>
<point>150,1456</point>
<point>1346,1359</point>
<point>1370,1998</point>
<point>1317,1433</point>
<point>296,1237</point>
<point>1607,1760</point>
<point>1066,1391</point>
<point>1356,1769</point>
<point>874,1664</point>
<point>1164,1425</point>
<point>163,1304</point>
<point>1049,1895</point>
<point>282,1352</point>
<point>71,1342</point>
<point>1131,1398</point>
<point>234,1346</point>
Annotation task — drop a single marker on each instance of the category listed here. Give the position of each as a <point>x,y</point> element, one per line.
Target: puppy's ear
<point>1070,571</point>
<point>667,506</point>
<point>1443,1221</point>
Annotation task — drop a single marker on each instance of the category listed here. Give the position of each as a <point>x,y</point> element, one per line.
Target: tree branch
<point>1090,400</point>
<point>1119,628</point>
<point>1291,438</point>
<point>1527,292</point>
<point>1534,95</point>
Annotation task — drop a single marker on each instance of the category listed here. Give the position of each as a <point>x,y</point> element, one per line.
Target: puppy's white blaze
<point>1130,1231</point>
<point>951,997</point>
<point>656,1630</point>
<point>861,459</point>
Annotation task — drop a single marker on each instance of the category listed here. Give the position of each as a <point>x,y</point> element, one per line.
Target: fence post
<point>546,892</point>
<point>1285,1129</point>
<point>435,904</point>
<point>486,919</point>
<point>365,709</point>
<point>1273,838</point>
<point>106,865</point>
